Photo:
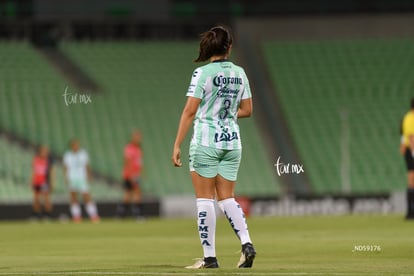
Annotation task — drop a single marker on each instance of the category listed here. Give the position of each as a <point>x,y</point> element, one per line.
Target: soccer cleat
<point>247,256</point>
<point>77,220</point>
<point>210,262</point>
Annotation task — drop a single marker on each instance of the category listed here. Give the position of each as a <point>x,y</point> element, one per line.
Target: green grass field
<point>286,246</point>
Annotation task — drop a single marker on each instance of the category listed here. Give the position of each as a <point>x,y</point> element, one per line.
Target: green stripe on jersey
<point>221,86</point>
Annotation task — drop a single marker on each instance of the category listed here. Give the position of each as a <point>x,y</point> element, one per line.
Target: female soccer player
<point>77,174</point>
<point>219,94</point>
<point>42,182</point>
<point>131,174</point>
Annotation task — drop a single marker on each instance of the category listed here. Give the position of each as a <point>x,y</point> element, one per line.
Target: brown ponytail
<point>216,41</point>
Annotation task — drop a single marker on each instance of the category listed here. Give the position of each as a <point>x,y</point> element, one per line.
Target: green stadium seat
<point>372,80</point>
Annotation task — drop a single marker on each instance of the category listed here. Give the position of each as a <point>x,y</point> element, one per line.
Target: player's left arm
<point>88,168</point>
<point>89,172</point>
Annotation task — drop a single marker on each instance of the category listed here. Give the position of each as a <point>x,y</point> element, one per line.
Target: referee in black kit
<point>407,150</point>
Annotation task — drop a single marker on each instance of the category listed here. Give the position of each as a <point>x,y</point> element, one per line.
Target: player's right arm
<point>186,120</point>
<point>194,96</point>
<point>88,167</point>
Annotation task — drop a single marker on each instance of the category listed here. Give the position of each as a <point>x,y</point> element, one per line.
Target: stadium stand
<point>344,100</point>
<point>136,93</point>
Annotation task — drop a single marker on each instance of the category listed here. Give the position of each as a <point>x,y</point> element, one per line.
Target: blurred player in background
<point>408,148</point>
<point>77,176</point>
<point>131,176</point>
<point>42,182</point>
<point>218,95</point>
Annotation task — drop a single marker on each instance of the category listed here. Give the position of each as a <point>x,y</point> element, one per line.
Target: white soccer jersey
<point>76,163</point>
<point>221,86</point>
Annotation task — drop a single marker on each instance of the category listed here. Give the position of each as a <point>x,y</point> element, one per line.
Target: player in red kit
<point>131,176</point>
<point>42,176</point>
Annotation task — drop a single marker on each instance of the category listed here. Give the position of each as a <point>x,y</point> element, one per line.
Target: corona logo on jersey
<point>221,80</point>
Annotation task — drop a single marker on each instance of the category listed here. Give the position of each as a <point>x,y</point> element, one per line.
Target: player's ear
<point>229,50</point>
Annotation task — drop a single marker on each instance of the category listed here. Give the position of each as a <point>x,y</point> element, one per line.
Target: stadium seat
<point>371,81</point>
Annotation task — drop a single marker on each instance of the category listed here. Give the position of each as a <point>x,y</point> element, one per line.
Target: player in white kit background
<point>219,94</point>
<point>77,177</point>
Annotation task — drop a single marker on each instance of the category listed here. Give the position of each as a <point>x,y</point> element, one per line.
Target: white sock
<point>235,216</point>
<point>91,210</point>
<point>206,220</point>
<point>75,210</point>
